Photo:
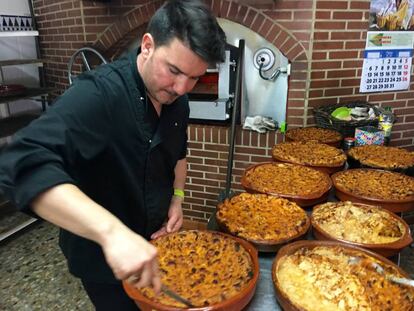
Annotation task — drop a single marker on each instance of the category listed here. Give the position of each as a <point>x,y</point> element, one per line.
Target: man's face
<point>169,71</point>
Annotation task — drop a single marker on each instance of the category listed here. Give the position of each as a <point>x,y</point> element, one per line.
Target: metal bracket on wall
<point>264,60</point>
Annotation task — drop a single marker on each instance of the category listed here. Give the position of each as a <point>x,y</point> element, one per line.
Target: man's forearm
<point>180,172</point>
<point>69,208</point>
<point>127,253</point>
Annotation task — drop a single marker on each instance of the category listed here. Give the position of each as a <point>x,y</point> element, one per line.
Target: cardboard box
<point>368,135</point>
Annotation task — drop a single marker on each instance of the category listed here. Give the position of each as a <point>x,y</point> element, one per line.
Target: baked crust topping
<point>287,179</point>
<point>309,153</point>
<point>358,223</point>
<point>321,135</point>
<point>323,279</point>
<point>203,267</point>
<point>382,156</point>
<point>262,218</point>
<point>375,184</point>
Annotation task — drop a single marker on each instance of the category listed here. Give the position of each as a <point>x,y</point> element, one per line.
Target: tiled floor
<point>33,273</point>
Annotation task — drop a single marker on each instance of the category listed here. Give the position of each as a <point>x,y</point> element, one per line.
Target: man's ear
<point>147,45</point>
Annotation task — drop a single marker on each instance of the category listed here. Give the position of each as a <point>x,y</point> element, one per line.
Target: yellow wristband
<point>179,193</point>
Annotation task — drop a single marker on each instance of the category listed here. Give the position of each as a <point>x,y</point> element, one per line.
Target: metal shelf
<point>9,125</point>
<point>13,222</point>
<point>28,93</point>
<point>29,33</point>
<point>15,62</point>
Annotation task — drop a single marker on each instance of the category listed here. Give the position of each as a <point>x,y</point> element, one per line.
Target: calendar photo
<point>391,15</point>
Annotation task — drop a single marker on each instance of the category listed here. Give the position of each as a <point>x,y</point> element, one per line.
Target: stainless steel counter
<point>264,297</point>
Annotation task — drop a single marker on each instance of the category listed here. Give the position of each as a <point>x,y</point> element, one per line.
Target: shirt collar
<point>138,79</point>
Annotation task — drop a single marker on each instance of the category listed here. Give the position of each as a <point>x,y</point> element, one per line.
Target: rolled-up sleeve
<point>47,152</point>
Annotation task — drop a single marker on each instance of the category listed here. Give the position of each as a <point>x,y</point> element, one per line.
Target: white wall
<point>15,7</point>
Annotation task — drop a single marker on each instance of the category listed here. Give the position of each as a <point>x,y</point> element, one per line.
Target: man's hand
<point>132,258</point>
<point>175,218</point>
<point>128,254</point>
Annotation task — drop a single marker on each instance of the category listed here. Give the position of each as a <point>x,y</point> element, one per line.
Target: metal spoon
<point>175,296</point>
<point>379,269</point>
<point>393,278</point>
<point>167,291</point>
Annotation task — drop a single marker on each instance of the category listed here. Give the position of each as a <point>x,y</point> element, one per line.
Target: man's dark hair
<point>192,23</point>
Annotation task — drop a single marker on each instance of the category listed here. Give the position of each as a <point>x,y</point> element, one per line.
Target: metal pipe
<point>236,105</point>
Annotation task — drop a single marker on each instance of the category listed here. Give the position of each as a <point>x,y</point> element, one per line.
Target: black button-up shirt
<point>98,136</point>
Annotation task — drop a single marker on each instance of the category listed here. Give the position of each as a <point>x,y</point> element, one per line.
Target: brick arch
<point>132,24</point>
<point>120,33</point>
<point>261,24</point>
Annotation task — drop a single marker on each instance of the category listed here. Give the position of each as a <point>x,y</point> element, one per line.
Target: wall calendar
<point>386,70</point>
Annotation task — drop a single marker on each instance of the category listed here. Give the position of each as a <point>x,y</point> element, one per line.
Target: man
<point>104,161</point>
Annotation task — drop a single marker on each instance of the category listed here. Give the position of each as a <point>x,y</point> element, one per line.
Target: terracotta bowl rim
<point>361,162</point>
<point>328,142</point>
<point>404,241</point>
<point>277,158</point>
<point>292,247</point>
<point>266,243</point>
<point>249,289</point>
<point>333,178</point>
<point>314,196</point>
<point>319,168</point>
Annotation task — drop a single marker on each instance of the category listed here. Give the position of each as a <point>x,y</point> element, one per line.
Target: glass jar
<point>385,122</point>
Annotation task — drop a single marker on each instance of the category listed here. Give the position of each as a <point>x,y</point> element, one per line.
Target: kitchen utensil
<point>172,294</point>
<point>380,270</point>
<point>393,278</point>
<point>175,296</point>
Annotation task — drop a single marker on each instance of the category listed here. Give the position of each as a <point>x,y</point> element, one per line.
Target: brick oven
<point>323,41</point>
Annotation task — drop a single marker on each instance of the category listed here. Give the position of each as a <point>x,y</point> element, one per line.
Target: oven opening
<point>210,99</point>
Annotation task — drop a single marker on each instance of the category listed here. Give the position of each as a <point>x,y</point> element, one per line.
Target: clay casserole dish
<point>300,184</point>
<point>322,135</point>
<point>212,270</point>
<point>370,227</point>
<point>313,154</point>
<point>390,190</point>
<point>382,157</point>
<point>327,275</point>
<point>266,221</point>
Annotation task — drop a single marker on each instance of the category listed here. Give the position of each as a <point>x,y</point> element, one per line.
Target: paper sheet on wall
<point>377,40</point>
<point>387,61</point>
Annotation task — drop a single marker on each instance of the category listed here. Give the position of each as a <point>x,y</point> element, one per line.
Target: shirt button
<point>150,141</point>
